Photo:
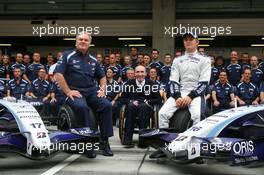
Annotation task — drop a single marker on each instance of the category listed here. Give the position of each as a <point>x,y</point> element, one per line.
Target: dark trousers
<point>143,112</point>
<point>101,106</point>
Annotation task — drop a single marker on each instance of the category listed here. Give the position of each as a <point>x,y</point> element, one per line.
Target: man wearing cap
<point>189,78</point>
<point>190,75</point>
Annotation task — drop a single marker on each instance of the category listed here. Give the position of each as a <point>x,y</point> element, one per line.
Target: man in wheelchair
<point>139,95</point>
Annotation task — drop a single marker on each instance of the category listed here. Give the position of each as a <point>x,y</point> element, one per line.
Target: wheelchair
<point>122,122</point>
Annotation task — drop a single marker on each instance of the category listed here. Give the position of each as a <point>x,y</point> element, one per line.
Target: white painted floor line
<point>61,165</point>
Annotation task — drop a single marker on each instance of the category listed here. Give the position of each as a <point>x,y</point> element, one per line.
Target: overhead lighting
<point>206,39</point>
<point>262,38</point>
<point>257,45</point>
<point>137,45</point>
<point>92,45</point>
<point>124,39</point>
<point>69,39</point>
<point>52,2</point>
<point>203,45</point>
<point>6,45</point>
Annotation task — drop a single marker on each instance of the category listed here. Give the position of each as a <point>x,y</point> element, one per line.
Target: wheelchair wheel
<point>122,121</point>
<point>181,120</point>
<point>155,117</point>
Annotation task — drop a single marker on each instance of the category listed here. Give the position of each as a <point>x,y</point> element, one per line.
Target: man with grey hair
<point>76,73</point>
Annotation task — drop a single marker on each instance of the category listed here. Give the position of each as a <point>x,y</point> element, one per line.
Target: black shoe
<point>128,144</point>
<point>105,148</point>
<point>90,154</point>
<point>157,154</point>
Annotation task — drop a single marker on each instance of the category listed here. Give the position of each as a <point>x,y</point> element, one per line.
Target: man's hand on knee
<point>100,93</point>
<point>179,102</point>
<point>73,93</point>
<point>186,101</point>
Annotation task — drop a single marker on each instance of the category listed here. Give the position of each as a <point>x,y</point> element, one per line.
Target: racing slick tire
<point>68,119</point>
<point>181,120</point>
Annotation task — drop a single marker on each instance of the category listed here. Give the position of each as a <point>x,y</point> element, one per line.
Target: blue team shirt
<point>247,92</point>
<point>234,72</point>
<point>40,88</point>
<point>80,71</point>
<point>158,65</point>
<point>223,92</point>
<point>214,75</point>
<point>165,74</point>
<point>32,70</point>
<point>257,76</point>
<point>16,65</point>
<point>16,90</point>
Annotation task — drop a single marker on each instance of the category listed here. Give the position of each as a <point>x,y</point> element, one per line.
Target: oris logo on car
<point>243,148</point>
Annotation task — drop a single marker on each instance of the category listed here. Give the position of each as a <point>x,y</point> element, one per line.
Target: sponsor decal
<point>243,148</point>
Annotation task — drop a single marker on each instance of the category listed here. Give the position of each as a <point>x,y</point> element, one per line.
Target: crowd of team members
<point>239,78</point>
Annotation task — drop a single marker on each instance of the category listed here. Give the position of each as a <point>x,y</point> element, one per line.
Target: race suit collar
<point>191,53</point>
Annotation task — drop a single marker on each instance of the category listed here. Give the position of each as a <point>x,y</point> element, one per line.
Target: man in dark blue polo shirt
<point>17,87</point>
<point>234,70</point>
<point>247,92</point>
<point>76,73</point>
<point>19,64</point>
<point>257,74</point>
<point>222,94</point>
<point>32,69</point>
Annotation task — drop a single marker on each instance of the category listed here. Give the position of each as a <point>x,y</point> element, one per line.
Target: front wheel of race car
<point>66,118</point>
<point>181,120</point>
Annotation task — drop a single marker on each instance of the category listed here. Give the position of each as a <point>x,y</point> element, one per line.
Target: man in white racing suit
<point>189,78</point>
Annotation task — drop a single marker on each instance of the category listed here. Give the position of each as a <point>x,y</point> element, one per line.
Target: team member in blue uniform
<point>166,69</point>
<point>247,92</point>
<point>162,89</point>
<point>257,74</point>
<point>214,72</point>
<point>76,72</point>
<point>234,70</point>
<point>33,69</point>
<point>127,65</point>
<point>114,67</point>
<point>100,59</point>
<point>40,90</point>
<point>113,90</point>
<point>17,87</point>
<point>26,60</point>
<point>140,95</point>
<point>222,94</point>
<point>133,55</point>
<point>245,61</point>
<point>155,63</point>
<point>219,63</point>
<point>19,64</point>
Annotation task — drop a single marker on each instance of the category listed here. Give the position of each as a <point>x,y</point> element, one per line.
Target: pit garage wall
<point>239,27</point>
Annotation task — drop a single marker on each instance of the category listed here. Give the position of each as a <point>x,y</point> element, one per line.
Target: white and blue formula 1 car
<point>22,131</point>
<point>235,135</point>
